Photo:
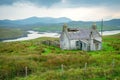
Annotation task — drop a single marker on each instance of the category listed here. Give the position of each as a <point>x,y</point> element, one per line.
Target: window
<point>84,45</point>
<point>77,43</point>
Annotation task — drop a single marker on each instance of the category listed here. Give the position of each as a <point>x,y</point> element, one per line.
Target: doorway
<point>79,45</point>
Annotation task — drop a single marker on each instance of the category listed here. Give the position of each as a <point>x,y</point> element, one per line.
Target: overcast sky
<point>85,10</point>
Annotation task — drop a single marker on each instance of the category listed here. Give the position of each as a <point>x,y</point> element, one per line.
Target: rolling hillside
<point>9,33</point>
<point>43,62</point>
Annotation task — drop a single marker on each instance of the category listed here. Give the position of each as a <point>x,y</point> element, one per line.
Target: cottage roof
<point>82,33</point>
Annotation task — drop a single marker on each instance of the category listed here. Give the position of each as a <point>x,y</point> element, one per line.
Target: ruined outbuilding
<point>82,39</point>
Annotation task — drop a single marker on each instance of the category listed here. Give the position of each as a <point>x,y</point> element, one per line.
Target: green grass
<point>44,62</point>
<point>47,28</point>
<point>8,33</point>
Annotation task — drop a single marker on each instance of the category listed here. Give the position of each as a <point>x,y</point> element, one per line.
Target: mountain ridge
<point>33,20</point>
<point>57,22</point>
<point>49,20</point>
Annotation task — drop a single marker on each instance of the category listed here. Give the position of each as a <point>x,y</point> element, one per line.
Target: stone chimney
<point>94,27</point>
<point>65,28</point>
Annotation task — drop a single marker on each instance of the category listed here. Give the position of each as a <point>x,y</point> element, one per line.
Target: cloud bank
<point>74,9</point>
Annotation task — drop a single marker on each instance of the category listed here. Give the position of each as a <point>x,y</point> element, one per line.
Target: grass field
<point>11,33</point>
<point>32,60</point>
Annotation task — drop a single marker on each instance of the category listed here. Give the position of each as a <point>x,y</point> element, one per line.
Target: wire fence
<point>24,70</point>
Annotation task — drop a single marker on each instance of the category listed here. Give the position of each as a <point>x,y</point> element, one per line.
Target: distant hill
<point>37,23</point>
<point>35,20</point>
<point>113,24</point>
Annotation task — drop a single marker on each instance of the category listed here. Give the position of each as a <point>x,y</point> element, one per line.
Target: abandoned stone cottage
<point>83,39</point>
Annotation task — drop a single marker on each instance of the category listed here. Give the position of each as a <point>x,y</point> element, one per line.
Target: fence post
<point>62,71</point>
<point>113,66</point>
<point>85,68</point>
<point>113,63</point>
<point>62,68</point>
<point>26,71</point>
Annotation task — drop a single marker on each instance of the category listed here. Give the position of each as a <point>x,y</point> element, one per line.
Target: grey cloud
<point>68,3</point>
<point>93,3</point>
<point>7,2</point>
<point>46,3</point>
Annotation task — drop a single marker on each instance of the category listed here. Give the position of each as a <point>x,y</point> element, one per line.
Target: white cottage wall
<point>100,46</point>
<point>64,42</point>
<point>73,44</point>
<point>92,45</point>
<point>84,46</point>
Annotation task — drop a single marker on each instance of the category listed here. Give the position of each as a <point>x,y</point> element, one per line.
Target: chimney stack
<point>94,27</point>
<point>65,27</point>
